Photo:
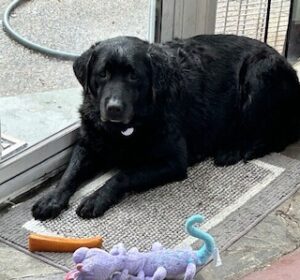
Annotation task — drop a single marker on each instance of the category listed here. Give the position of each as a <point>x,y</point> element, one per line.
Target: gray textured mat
<point>233,199</point>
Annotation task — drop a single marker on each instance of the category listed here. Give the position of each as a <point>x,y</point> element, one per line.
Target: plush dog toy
<point>157,264</point>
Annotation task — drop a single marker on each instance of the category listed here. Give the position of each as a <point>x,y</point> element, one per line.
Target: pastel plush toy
<point>157,264</point>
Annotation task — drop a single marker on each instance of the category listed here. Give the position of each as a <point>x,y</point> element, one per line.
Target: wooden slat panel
<point>168,12</point>
<point>206,16</point>
<point>183,19</point>
<point>178,18</point>
<point>189,18</point>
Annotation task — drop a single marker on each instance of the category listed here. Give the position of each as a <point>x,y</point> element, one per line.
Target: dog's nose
<point>114,109</point>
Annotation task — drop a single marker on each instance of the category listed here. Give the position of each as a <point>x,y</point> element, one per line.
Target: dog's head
<point>121,78</point>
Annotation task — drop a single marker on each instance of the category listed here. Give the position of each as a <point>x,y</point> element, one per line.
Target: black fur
<point>222,96</point>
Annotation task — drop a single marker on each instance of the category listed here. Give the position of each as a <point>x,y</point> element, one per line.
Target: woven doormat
<point>233,199</point>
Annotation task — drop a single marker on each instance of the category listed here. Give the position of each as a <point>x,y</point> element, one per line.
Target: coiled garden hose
<point>26,43</point>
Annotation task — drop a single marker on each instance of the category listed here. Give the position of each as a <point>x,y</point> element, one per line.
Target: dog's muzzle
<point>114,110</point>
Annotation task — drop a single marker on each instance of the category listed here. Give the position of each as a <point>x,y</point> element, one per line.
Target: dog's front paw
<point>91,207</point>
<point>49,206</point>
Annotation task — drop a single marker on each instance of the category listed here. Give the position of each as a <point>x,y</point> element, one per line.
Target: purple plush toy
<point>157,264</point>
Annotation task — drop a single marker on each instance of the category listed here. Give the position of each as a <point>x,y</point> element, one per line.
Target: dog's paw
<point>91,207</point>
<point>49,206</point>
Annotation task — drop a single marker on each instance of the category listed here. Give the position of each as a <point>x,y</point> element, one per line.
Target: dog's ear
<point>81,66</point>
<point>161,70</point>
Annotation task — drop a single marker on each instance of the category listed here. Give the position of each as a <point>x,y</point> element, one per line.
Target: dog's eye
<point>104,74</point>
<point>132,76</point>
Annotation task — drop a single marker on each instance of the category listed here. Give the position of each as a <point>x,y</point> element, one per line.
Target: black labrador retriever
<point>152,110</point>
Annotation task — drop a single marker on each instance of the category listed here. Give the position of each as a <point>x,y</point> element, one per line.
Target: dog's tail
<point>209,247</point>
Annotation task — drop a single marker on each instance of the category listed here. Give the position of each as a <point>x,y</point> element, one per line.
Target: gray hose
<point>28,44</point>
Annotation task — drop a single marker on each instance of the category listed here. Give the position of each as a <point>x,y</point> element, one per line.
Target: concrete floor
<point>66,26</point>
<point>47,112</point>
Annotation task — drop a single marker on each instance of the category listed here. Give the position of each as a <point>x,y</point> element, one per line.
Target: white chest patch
<point>128,131</point>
